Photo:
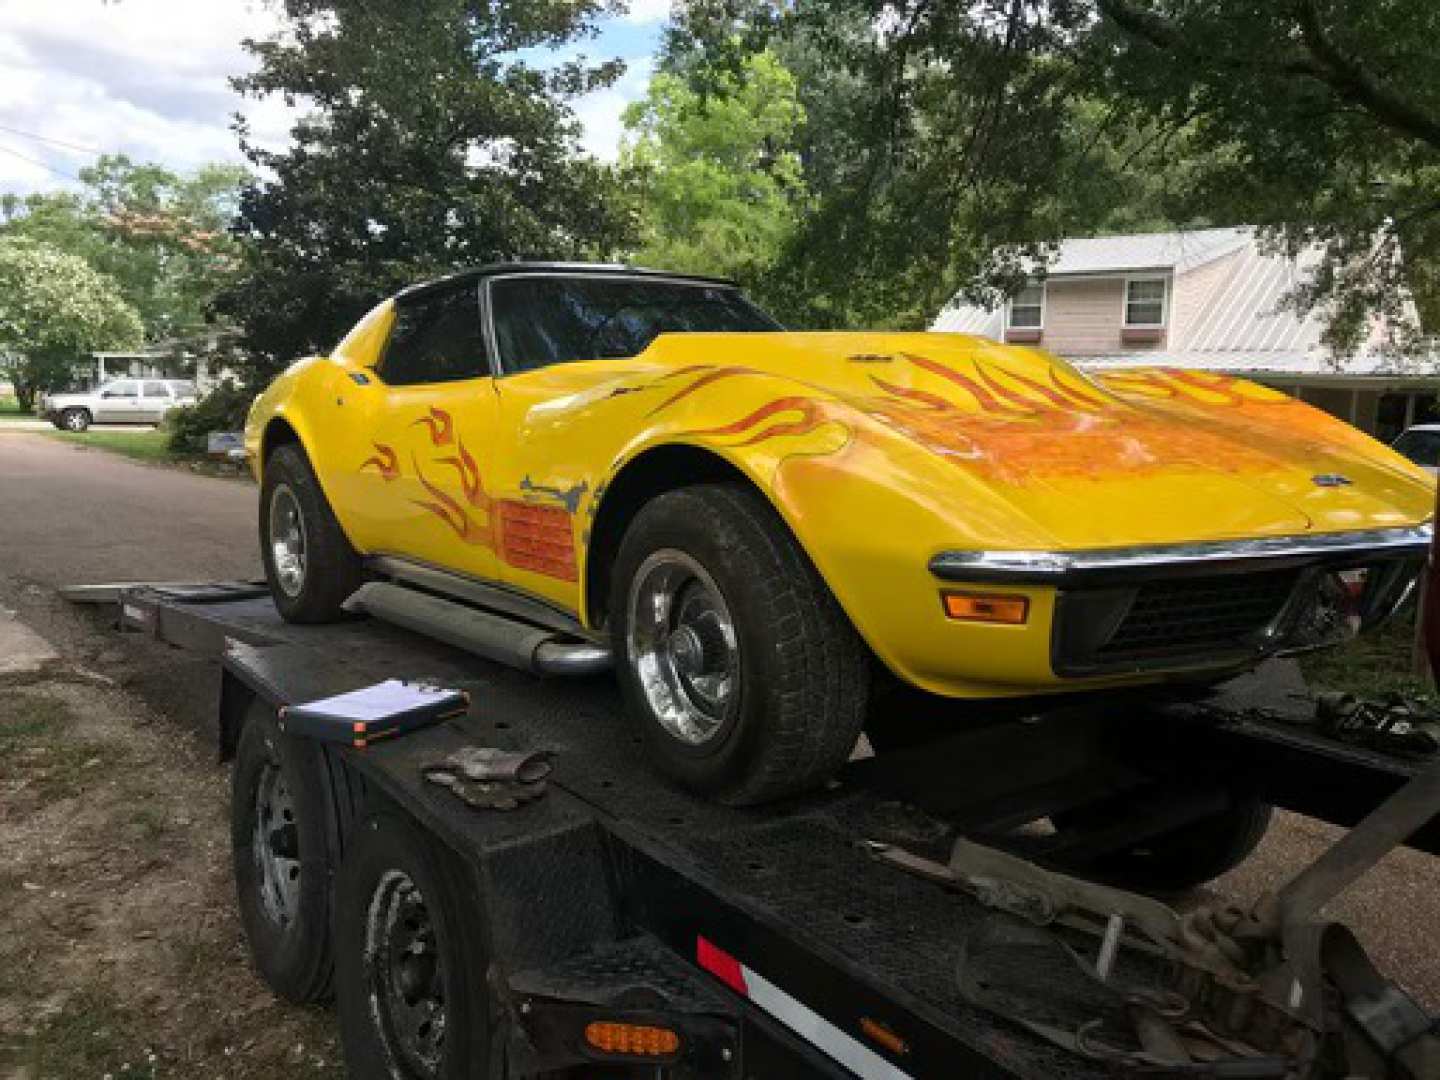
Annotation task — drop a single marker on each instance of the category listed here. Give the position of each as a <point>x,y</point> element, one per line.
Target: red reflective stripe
<point>721,964</point>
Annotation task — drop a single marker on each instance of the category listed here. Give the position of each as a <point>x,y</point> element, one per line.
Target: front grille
<point>1197,615</point>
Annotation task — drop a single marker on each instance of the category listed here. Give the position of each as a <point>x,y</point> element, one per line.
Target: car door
<point>426,442</point>
<point>118,402</point>
<point>155,400</point>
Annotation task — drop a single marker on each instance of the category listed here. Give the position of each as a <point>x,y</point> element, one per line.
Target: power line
<point>52,142</point>
<point>42,164</point>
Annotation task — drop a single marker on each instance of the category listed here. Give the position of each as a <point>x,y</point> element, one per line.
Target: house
<point>1206,299</point>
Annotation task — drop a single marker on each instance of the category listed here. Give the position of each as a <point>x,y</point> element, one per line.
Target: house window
<point>1027,309</point>
<point>1145,303</point>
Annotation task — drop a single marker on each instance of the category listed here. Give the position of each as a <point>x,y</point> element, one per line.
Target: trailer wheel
<point>410,992</point>
<point>1184,858</point>
<point>745,677</point>
<point>309,563</point>
<point>281,858</point>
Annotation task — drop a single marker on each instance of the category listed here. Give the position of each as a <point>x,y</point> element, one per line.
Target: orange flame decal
<point>384,460</point>
<point>983,397</point>
<point>714,375</point>
<point>810,419</point>
<point>451,512</point>
<point>442,427</point>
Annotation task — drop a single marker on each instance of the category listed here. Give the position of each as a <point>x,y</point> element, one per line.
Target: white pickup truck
<point>119,401</point>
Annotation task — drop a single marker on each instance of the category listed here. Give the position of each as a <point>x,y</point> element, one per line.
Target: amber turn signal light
<point>978,607</point>
<point>639,1040</point>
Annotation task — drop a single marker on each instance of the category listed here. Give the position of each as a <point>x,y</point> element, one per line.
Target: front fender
<point>870,507</point>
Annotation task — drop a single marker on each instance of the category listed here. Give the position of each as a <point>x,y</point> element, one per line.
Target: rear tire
<point>410,986</point>
<point>76,420</point>
<point>744,677</point>
<point>281,858</point>
<point>309,563</point>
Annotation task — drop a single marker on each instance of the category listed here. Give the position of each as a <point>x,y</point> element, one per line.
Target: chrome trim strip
<point>1048,567</point>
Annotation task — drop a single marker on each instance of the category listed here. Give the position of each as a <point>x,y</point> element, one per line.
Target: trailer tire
<point>1184,858</point>
<point>321,569</point>
<point>282,857</point>
<point>403,952</point>
<point>767,693</point>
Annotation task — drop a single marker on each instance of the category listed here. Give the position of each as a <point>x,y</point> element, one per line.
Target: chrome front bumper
<point>1097,565</point>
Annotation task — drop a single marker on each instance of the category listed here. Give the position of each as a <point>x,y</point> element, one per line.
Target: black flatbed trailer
<point>770,937</point>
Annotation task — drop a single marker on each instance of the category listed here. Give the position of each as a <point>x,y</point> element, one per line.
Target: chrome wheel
<point>680,641</point>
<point>405,976</point>
<point>287,540</point>
<point>75,420</point>
<point>277,846</point>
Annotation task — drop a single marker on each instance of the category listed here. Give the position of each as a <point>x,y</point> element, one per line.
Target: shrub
<point>223,409</point>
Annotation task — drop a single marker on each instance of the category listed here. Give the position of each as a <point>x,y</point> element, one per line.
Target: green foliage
<point>720,180</point>
<point>161,236</point>
<point>55,309</point>
<point>223,409</point>
<point>432,143</point>
<point>946,145</point>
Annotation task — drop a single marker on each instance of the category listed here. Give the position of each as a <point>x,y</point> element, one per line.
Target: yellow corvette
<point>559,465</point>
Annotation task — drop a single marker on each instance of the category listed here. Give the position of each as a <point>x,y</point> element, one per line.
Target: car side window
<point>156,390</point>
<point>436,338</point>
<point>120,389</point>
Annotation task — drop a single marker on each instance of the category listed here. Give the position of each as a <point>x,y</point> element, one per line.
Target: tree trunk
<point>24,394</point>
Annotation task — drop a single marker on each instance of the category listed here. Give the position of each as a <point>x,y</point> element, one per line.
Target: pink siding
<point>1083,317</point>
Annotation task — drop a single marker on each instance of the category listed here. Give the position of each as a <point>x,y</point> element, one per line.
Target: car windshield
<point>553,320</point>
<point>1421,447</point>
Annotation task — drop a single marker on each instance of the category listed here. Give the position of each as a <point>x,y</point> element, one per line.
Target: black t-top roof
<point>506,268</point>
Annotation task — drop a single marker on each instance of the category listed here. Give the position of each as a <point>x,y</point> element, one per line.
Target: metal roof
<point>1175,251</point>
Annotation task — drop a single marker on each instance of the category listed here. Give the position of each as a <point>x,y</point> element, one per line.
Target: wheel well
<point>651,473</point>
<point>278,433</point>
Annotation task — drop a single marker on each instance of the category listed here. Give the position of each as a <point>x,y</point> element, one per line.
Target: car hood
<point>1141,456</point>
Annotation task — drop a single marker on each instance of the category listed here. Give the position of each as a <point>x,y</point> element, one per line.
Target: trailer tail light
<point>983,607</point>
<point>632,1040</point>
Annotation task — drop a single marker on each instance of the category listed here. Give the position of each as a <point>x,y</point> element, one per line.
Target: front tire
<point>744,676</point>
<point>309,563</point>
<point>76,420</point>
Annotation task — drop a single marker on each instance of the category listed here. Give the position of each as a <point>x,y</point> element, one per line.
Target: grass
<point>86,1039</point>
<point>10,409</point>
<point>143,444</point>
<point>38,745</point>
<point>1374,665</point>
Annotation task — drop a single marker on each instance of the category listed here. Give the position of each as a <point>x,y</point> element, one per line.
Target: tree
<point>162,236</point>
<point>719,180</point>
<point>939,135</point>
<point>1319,121</point>
<point>54,310</point>
<point>431,143</point>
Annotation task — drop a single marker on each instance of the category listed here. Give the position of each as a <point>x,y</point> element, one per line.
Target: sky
<point>148,78</point>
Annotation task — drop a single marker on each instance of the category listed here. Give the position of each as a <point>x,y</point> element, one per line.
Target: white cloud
<point>599,113</point>
<point>647,11</point>
<point>145,77</point>
<point>150,78</point>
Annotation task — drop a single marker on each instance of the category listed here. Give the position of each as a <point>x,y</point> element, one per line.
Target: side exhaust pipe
<point>506,641</point>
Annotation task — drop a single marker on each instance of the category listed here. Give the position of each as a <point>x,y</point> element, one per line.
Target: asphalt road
<point>71,515</point>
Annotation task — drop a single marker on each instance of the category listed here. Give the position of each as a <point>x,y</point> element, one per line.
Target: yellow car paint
<point>879,450</point>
